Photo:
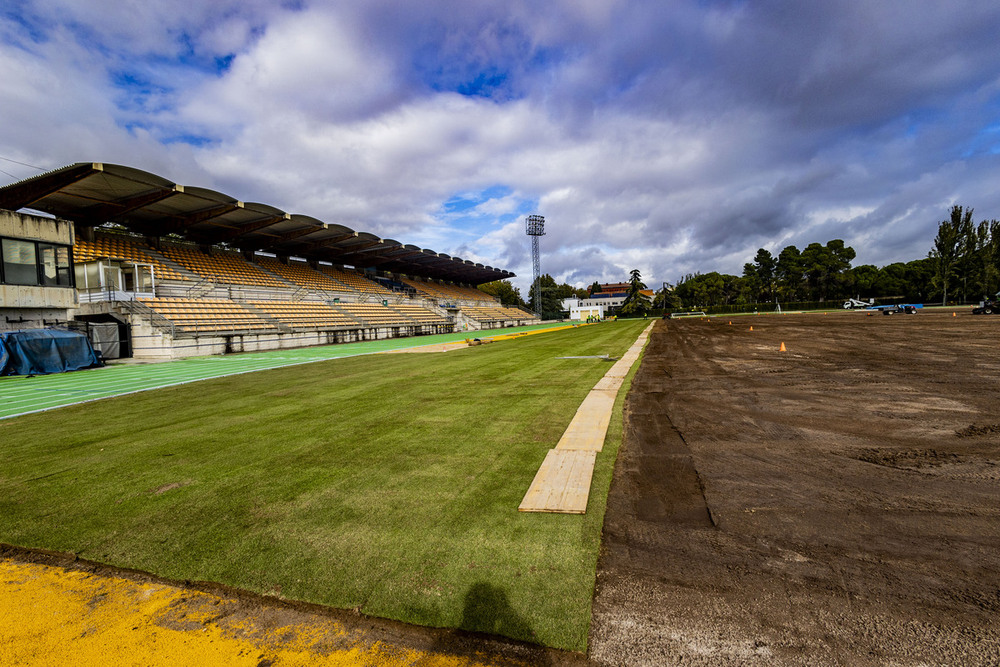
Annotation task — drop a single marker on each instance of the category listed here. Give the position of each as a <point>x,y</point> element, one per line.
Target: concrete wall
<point>35,228</point>
<point>30,306</point>
<point>151,343</point>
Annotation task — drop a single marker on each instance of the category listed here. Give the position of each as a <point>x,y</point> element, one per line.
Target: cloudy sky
<point>671,136</point>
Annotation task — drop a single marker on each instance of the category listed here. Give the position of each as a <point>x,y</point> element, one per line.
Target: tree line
<point>962,266</point>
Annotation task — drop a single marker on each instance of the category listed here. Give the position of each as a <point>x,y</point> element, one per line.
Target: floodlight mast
<point>536,228</point>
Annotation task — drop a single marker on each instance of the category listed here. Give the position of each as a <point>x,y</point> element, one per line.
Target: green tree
<point>551,301</point>
<point>862,281</point>
<point>596,287</point>
<point>709,289</point>
<point>636,303</point>
<point>948,248</point>
<point>667,299</point>
<point>764,267</point>
<point>752,288</point>
<point>505,291</point>
<point>824,267</point>
<point>789,273</point>
<point>985,269</point>
<point>965,263</point>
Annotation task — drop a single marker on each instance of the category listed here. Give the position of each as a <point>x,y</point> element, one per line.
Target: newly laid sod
<point>389,483</point>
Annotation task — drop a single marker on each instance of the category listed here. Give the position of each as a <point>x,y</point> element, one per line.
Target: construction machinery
<point>988,306</point>
<point>851,304</point>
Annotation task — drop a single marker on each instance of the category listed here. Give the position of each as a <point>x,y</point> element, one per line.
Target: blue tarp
<point>42,351</point>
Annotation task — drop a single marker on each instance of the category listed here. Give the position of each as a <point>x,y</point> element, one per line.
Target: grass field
<point>388,483</point>
<point>22,394</point>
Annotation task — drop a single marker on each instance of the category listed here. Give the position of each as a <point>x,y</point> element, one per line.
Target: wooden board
<point>590,423</point>
<point>609,383</point>
<point>562,483</point>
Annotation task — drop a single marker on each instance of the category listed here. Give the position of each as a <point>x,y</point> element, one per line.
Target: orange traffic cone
<point>782,348</point>
<point>751,327</point>
<point>730,321</point>
<point>954,314</point>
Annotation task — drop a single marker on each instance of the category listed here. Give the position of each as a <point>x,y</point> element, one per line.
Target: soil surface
<point>836,503</point>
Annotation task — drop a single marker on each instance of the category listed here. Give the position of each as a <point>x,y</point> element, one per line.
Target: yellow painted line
<point>56,616</point>
<point>536,331</point>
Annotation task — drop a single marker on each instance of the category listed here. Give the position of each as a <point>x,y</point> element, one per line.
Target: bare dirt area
<point>836,503</point>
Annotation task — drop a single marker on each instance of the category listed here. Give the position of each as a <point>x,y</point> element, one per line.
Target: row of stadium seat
<point>225,267</point>
<point>448,292</point>
<point>303,275</point>
<point>122,250</point>
<point>496,314</point>
<point>354,281</point>
<point>198,315</point>
<point>224,315</point>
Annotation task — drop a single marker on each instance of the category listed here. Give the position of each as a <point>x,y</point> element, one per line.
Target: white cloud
<point>662,136</point>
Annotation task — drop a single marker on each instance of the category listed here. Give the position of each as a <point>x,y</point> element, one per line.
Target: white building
<point>581,309</point>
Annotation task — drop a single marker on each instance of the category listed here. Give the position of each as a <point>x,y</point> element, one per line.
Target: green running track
<point>20,395</point>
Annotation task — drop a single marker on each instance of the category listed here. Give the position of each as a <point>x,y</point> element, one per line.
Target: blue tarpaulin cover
<point>42,351</point>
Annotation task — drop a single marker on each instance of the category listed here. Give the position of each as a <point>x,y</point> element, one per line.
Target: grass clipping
<point>385,483</point>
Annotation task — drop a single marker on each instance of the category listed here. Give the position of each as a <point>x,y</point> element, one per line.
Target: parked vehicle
<point>851,304</point>
<point>987,307</point>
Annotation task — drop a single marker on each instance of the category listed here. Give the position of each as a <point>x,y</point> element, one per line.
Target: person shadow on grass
<point>487,611</point>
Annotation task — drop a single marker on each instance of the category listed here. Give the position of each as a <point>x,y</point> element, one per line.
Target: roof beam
<point>399,254</point>
<point>232,233</point>
<point>296,233</point>
<point>360,249</point>
<point>113,211</point>
<point>317,245</point>
<point>27,192</point>
<point>205,214</point>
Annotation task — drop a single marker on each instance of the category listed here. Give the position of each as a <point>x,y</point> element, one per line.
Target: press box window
<point>35,263</point>
<point>55,265</point>
<point>20,265</point>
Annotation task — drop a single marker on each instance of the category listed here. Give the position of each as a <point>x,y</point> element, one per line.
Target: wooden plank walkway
<point>562,483</point>
<point>590,423</point>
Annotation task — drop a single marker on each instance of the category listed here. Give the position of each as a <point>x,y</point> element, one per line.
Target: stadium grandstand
<point>186,271</point>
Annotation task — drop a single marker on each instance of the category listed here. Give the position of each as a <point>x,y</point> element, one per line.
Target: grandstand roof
<point>92,193</point>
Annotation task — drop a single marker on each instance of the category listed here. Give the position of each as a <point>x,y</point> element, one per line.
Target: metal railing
<point>141,311</point>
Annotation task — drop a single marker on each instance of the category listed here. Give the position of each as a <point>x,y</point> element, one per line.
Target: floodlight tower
<point>536,228</point>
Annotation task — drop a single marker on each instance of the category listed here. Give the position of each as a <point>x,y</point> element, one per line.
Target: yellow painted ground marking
<point>54,616</point>
<point>522,334</point>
